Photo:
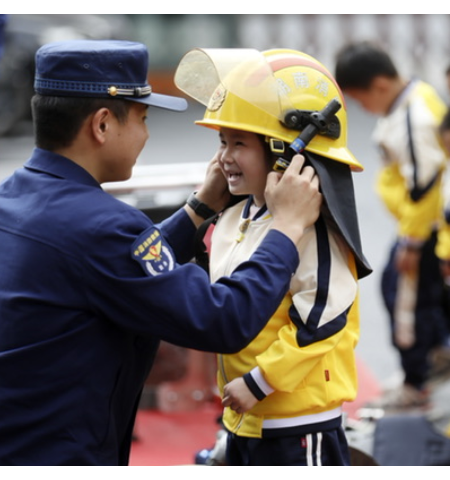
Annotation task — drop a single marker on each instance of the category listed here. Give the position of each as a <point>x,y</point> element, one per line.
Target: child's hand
<point>407,259</point>
<point>238,396</point>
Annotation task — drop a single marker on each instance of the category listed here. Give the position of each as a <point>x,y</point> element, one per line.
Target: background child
<point>409,183</point>
<point>443,248</point>
<point>283,394</point>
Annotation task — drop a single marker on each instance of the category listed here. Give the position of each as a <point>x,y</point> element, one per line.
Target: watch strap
<point>200,208</point>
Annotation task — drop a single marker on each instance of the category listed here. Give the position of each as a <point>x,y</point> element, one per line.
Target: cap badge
<point>129,92</point>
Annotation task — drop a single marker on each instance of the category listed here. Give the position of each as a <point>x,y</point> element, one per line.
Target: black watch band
<point>200,208</point>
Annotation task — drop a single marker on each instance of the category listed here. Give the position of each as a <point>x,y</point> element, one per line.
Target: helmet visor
<point>207,75</point>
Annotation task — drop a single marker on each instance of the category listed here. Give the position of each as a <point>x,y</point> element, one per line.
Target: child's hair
<point>358,64</point>
<point>269,157</point>
<point>57,120</point>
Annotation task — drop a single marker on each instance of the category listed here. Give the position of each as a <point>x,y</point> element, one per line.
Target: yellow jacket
<point>443,243</point>
<point>303,360</point>
<point>410,181</point>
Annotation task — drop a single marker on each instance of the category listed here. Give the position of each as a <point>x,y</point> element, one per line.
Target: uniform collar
<point>247,209</point>
<point>59,166</point>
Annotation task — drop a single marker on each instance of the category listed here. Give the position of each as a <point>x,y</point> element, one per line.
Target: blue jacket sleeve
<point>179,231</point>
<point>3,19</point>
<point>179,304</point>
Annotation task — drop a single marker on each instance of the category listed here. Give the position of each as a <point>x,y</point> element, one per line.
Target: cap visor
<point>159,100</point>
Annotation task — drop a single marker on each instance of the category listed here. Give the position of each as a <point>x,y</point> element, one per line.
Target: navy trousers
<point>431,319</point>
<point>328,448</point>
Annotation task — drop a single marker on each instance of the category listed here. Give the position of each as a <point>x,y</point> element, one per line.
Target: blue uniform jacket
<point>3,19</point>
<point>88,287</point>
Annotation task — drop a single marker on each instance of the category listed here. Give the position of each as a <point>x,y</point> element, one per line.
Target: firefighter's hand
<point>238,397</point>
<point>293,198</point>
<point>214,191</point>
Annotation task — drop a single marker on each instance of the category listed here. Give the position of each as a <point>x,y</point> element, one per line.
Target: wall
<point>419,44</point>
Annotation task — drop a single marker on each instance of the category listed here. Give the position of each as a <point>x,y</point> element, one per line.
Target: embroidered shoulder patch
<point>153,253</point>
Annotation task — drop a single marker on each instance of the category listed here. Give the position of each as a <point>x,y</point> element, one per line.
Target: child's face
<point>378,97</point>
<point>368,99</point>
<point>446,140</point>
<point>243,161</point>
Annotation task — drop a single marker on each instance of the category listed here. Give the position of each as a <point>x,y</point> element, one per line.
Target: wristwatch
<point>200,208</point>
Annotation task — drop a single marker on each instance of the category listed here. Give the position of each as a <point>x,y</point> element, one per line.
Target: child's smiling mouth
<point>234,177</point>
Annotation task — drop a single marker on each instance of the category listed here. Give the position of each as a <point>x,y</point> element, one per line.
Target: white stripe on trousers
<point>311,445</point>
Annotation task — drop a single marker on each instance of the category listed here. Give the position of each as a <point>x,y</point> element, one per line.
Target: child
<point>409,183</point>
<point>443,245</point>
<point>283,394</point>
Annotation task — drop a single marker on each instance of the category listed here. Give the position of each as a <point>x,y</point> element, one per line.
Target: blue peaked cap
<point>99,69</point>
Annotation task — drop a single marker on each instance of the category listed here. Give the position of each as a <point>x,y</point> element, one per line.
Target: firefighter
<point>89,285</point>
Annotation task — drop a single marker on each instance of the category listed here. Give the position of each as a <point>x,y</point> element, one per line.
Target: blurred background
<point>419,45</point>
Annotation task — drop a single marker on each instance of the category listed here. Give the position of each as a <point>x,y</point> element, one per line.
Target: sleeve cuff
<point>257,384</point>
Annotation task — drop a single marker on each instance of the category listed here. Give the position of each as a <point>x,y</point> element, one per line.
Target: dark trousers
<point>327,448</point>
<point>431,320</point>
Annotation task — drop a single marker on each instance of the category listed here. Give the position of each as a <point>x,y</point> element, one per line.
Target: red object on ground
<point>173,438</point>
<point>368,389</point>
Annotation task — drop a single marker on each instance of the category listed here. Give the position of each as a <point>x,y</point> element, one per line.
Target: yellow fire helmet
<point>262,92</point>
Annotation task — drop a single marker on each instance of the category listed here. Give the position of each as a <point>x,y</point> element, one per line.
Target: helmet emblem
<point>217,98</point>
